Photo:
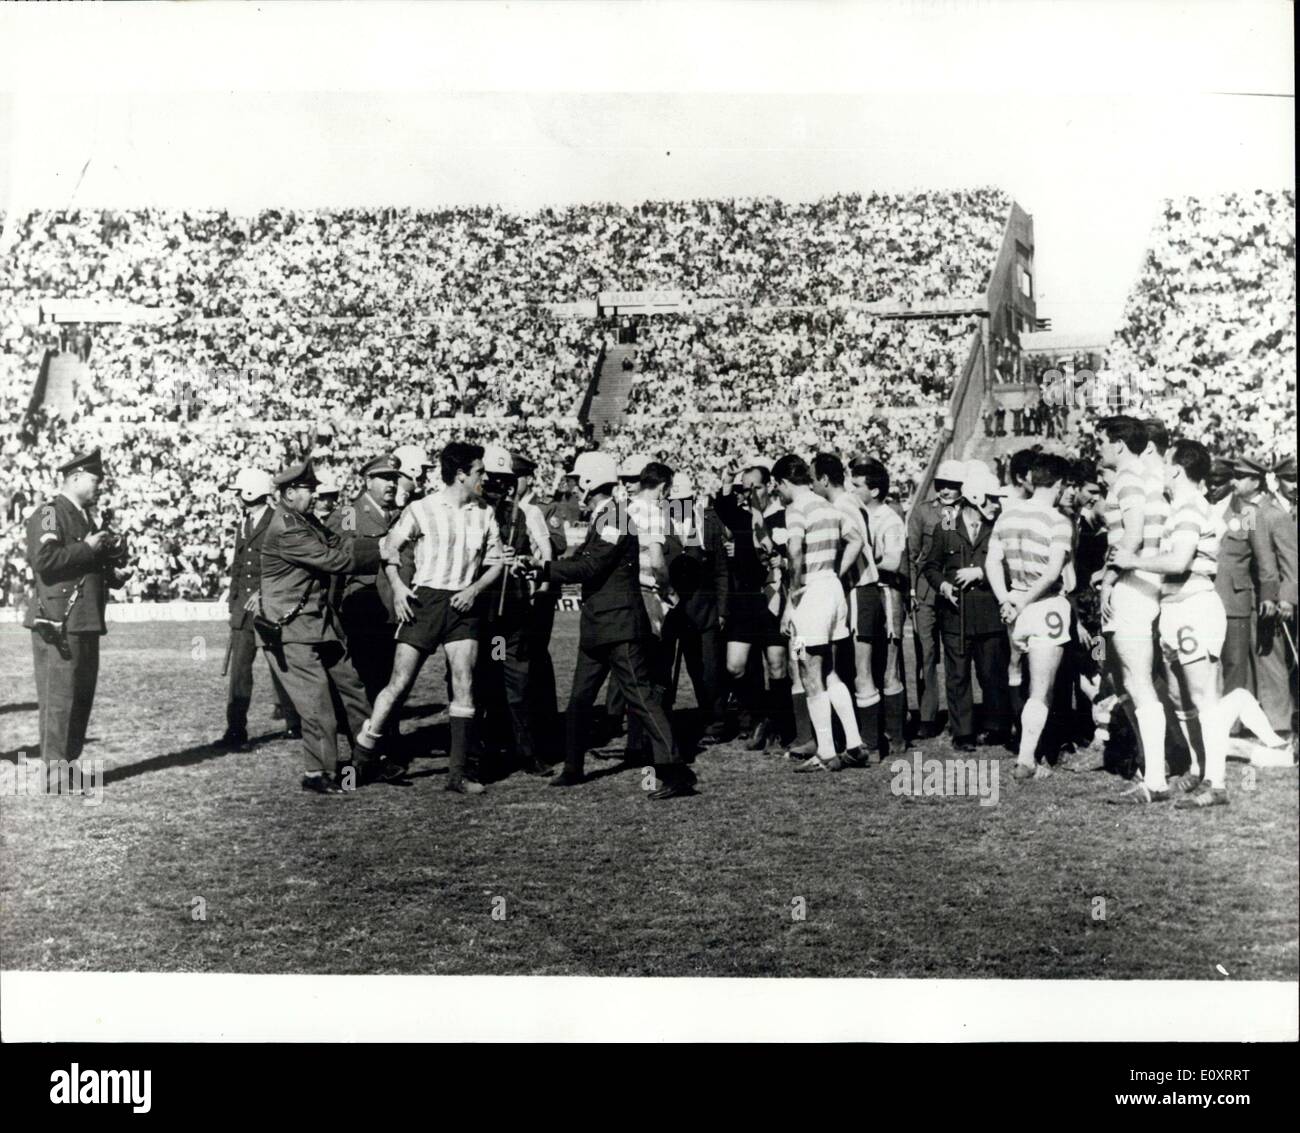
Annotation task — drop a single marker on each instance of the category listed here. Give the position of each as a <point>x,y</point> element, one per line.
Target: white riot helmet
<point>252,484</point>
<point>594,470</point>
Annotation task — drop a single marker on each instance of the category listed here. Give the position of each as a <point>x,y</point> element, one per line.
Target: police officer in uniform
<point>699,574</point>
<point>564,511</point>
<point>1258,535</point>
<point>362,615</point>
<point>255,488</point>
<point>300,555</point>
<point>970,622</point>
<point>503,680</point>
<point>541,612</point>
<point>615,632</point>
<point>74,565</point>
<point>925,521</point>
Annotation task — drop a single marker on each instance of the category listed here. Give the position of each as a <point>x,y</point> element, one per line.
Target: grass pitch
<point>765,873</point>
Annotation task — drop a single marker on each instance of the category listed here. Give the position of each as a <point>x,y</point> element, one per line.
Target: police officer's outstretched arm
<point>595,560</point>
<point>326,552</point>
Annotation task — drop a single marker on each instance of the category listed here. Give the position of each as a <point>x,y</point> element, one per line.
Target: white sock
<point>1185,723</point>
<point>1033,718</point>
<point>1151,730</point>
<point>819,711</point>
<point>866,700</point>
<point>1214,731</point>
<point>842,702</point>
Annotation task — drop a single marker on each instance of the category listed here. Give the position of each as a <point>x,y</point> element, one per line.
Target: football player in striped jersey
<point>1029,549</point>
<point>1192,619</point>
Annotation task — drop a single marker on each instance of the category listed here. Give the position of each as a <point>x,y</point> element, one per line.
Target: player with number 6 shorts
<point>1027,555</point>
<point>1192,623</point>
<point>1135,511</point>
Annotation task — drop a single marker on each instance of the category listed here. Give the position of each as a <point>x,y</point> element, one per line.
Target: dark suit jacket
<point>299,556</point>
<point>246,569</point>
<point>698,571</point>
<point>1248,568</point>
<point>950,550</point>
<point>930,514</point>
<point>59,557</point>
<point>606,566</point>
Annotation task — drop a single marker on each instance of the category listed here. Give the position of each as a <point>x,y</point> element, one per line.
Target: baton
<point>230,645</point>
<point>1286,629</point>
<point>505,574</point>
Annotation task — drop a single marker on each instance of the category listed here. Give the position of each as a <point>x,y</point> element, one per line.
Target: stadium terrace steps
<point>67,373</point>
<point>613,385</point>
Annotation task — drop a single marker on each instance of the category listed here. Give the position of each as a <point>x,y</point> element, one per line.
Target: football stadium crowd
<point>749,510</point>
<point>828,359</point>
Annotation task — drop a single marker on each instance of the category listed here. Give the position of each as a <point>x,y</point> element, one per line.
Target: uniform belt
<point>893,578</point>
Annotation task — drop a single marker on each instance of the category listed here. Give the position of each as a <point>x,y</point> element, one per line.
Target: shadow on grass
<point>25,706</point>
<point>188,757</point>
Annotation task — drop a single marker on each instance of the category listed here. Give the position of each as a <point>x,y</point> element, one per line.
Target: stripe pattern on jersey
<point>453,542</point>
<point>1138,486</point>
<point>1193,514</point>
<point>863,572</point>
<point>822,527</point>
<point>1028,530</point>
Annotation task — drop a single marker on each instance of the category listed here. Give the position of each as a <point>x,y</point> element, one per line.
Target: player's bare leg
<point>1136,654</point>
<point>1044,662</point>
<point>407,663</point>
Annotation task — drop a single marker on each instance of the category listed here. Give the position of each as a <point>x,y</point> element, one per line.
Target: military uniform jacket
<point>299,557</point>
<point>246,568</point>
<point>59,556</point>
<point>1248,568</point>
<point>929,515</point>
<point>698,569</point>
<point>513,524</point>
<point>367,597</point>
<point>606,564</point>
<point>950,550</point>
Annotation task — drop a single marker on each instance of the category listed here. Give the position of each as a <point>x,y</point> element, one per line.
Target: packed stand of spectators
<point>1209,332</point>
<point>515,363</point>
<point>830,359</point>
<point>400,262</point>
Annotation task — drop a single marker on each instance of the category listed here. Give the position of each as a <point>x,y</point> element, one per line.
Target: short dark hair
<point>764,474</point>
<point>1194,459</point>
<point>1128,430</point>
<point>1022,460</point>
<point>874,473</point>
<point>1048,470</point>
<point>458,456</point>
<point>831,466</point>
<point>1157,434</point>
<point>654,474</point>
<point>1084,472</point>
<point>792,469</point>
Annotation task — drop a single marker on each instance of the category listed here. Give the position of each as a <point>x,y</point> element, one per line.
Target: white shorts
<point>821,615</point>
<point>1045,622</point>
<point>1193,628</point>
<point>1134,608</point>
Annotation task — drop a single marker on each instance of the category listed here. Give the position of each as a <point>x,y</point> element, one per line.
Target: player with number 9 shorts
<point>1045,622</point>
<point>1192,628</point>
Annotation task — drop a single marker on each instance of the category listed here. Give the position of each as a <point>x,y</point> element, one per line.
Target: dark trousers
<point>1272,675</point>
<point>991,654</point>
<point>1238,660</point>
<point>702,654</point>
<point>65,691</point>
<point>372,642</point>
<point>502,699</point>
<point>926,630</point>
<point>243,652</point>
<point>324,687</point>
<point>628,668</point>
<point>541,682</point>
